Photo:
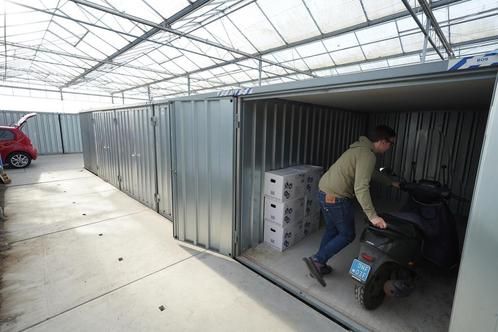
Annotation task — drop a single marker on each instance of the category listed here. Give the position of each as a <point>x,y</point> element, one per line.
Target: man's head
<point>382,138</point>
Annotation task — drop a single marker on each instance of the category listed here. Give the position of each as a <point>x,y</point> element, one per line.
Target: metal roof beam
<point>185,11</point>
<point>421,27</point>
<point>245,55</point>
<point>65,92</point>
<point>309,40</point>
<point>255,81</point>
<point>327,35</point>
<point>435,25</point>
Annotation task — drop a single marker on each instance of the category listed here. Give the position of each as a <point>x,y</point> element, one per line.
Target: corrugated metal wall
<point>71,133</point>
<point>137,165</point>
<point>163,153</point>
<point>88,141</point>
<point>434,139</point>
<point>277,134</point>
<point>107,147</point>
<point>204,165</point>
<point>48,131</point>
<point>43,130</point>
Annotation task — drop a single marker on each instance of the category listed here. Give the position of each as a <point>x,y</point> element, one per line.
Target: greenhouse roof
<point>150,49</point>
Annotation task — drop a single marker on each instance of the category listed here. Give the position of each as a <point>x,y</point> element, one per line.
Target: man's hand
<point>379,222</point>
<point>395,184</point>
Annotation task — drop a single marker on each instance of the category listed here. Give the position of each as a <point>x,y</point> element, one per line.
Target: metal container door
<point>88,141</point>
<point>135,133</point>
<point>203,168</point>
<point>107,147</point>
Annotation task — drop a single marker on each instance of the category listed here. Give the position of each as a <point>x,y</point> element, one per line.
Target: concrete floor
<point>82,256</point>
<point>428,308</point>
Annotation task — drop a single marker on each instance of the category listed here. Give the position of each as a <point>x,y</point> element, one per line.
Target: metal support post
<point>260,68</point>
<point>426,40</point>
<point>188,84</point>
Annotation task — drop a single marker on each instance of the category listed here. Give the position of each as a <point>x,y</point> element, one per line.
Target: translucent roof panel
<point>319,61</point>
<point>332,15</point>
<point>348,69</point>
<point>297,64</point>
<point>466,31</point>
<point>110,47</point>
<point>354,54</point>
<point>403,61</point>
<point>377,33</point>
<point>286,15</point>
<point>374,65</point>
<point>226,33</point>
<point>376,9</point>
<point>256,28</point>
<point>382,49</point>
<point>340,42</point>
<point>310,49</point>
<point>412,42</point>
<point>465,8</point>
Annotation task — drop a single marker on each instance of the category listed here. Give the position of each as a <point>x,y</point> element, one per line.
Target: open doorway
<point>440,127</point>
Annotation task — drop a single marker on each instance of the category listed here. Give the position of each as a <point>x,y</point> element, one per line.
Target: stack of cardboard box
<point>291,210</point>
<point>312,174</point>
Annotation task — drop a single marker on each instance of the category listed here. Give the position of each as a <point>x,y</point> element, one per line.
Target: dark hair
<point>381,132</point>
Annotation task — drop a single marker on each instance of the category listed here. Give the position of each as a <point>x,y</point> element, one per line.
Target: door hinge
<point>120,178</point>
<point>157,197</point>
<point>153,120</point>
<point>237,120</point>
<point>115,120</point>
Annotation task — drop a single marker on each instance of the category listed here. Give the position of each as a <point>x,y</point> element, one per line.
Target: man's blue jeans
<point>339,227</point>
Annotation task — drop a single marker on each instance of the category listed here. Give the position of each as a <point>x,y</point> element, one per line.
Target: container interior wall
<point>71,133</point>
<point>88,141</point>
<point>107,147</point>
<point>428,141</point>
<point>137,169</point>
<point>277,134</point>
<point>204,165</point>
<point>163,154</point>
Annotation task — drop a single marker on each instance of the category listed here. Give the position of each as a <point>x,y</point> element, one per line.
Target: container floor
<point>428,308</point>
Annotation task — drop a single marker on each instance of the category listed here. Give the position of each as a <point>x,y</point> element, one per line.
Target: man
<point>347,178</point>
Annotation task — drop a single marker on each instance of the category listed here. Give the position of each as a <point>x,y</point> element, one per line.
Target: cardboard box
<point>311,205</point>
<point>312,175</point>
<point>311,224</point>
<point>282,238</point>
<point>284,184</point>
<point>283,213</point>
<point>299,231</point>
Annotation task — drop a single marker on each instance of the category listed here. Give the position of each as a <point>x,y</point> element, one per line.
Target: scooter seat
<point>396,226</point>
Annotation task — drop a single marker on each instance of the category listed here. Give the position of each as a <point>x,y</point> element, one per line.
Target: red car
<point>16,148</point>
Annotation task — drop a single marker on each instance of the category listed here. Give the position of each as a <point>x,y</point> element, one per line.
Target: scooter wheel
<point>368,302</point>
<point>371,295</point>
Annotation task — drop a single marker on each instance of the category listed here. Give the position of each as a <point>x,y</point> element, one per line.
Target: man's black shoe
<point>325,269</point>
<point>314,272</point>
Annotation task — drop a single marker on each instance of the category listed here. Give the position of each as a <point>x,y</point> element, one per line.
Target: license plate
<point>359,270</point>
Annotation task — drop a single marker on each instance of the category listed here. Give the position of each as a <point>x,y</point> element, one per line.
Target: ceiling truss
<point>206,45</point>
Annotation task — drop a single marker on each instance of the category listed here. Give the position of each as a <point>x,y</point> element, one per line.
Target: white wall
<point>475,307</point>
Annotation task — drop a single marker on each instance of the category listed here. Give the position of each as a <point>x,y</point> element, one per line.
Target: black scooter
<point>423,229</point>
